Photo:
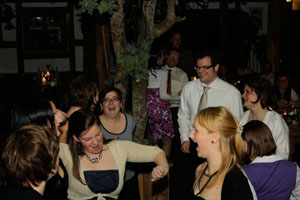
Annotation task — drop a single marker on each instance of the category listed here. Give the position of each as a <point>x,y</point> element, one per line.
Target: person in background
<point>82,93</point>
<point>225,74</point>
<point>286,95</point>
<point>160,120</point>
<point>268,72</point>
<point>186,56</point>
<point>43,113</point>
<point>30,159</point>
<point>117,125</point>
<point>178,79</point>
<point>217,134</point>
<point>272,176</point>
<point>97,166</point>
<point>260,99</point>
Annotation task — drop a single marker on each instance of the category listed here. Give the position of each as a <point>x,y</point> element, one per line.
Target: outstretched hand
<point>159,172</point>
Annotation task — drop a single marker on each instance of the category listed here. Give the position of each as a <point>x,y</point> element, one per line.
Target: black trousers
<point>182,175</point>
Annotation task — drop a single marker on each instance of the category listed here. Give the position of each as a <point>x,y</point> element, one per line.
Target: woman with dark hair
<point>259,98</point>
<point>217,134</point>
<point>81,94</point>
<point>117,125</point>
<point>272,176</point>
<point>96,166</point>
<point>43,113</point>
<point>35,111</point>
<point>114,123</point>
<point>30,159</point>
<point>286,95</point>
<point>158,103</point>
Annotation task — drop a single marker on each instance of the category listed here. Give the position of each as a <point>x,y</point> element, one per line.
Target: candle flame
<point>47,74</point>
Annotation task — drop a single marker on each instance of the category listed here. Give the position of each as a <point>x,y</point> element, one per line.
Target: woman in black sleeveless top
<point>216,132</point>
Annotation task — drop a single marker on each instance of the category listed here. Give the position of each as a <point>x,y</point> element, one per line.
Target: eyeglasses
<point>114,100</point>
<point>203,67</point>
<point>173,56</point>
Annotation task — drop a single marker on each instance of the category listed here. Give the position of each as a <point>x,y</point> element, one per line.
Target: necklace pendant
<point>94,160</point>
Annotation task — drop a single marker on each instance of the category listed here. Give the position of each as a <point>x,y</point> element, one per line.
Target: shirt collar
<point>213,84</point>
<point>172,69</point>
<point>264,159</point>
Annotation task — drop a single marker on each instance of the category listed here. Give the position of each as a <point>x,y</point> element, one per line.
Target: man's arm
<point>184,120</point>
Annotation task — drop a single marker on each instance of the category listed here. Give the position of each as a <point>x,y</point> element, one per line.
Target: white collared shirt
<point>220,93</point>
<point>159,78</point>
<point>179,79</point>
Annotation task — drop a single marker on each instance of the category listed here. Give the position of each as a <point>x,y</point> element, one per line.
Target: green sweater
<point>122,151</point>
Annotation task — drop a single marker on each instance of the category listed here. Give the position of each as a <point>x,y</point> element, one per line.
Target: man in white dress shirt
<point>219,93</point>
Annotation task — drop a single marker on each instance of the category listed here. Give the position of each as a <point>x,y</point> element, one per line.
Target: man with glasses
<point>208,91</point>
<point>186,56</point>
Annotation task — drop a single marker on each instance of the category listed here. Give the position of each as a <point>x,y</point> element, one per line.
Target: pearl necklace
<point>94,160</point>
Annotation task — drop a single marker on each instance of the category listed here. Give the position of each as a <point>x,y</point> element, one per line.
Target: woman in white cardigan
<point>96,167</point>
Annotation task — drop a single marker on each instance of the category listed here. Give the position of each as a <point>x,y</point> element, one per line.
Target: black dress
<point>57,186</point>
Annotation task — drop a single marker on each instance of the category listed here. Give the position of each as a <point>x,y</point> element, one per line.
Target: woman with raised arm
<point>97,166</point>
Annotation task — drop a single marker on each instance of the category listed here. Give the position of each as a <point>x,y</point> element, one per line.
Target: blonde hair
<point>222,121</point>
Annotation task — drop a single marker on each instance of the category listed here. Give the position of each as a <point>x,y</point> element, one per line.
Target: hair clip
<point>240,130</point>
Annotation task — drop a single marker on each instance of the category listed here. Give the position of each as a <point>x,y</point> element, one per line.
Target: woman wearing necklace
<point>97,166</point>
<point>216,133</point>
<point>259,98</point>
<point>115,124</point>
